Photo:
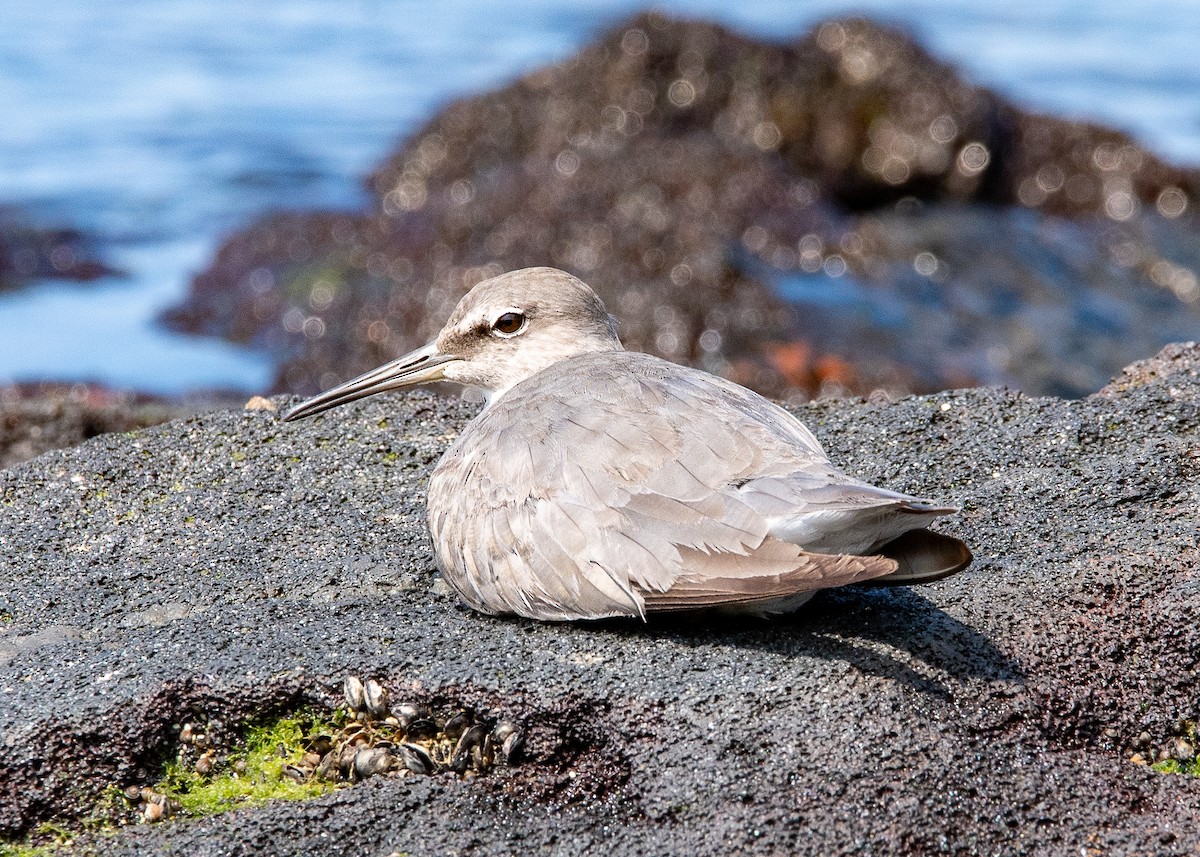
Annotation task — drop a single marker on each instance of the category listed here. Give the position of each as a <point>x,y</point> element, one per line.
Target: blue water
<point>163,125</point>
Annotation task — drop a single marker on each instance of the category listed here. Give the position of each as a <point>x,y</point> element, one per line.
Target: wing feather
<point>810,572</point>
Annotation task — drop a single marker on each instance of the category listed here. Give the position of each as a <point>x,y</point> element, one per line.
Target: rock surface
<point>228,566</point>
<point>726,197</point>
<point>35,418</point>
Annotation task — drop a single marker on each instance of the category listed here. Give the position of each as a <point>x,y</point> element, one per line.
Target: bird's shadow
<point>857,625</point>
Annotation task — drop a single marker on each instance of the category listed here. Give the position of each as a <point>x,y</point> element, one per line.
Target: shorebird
<point>598,482</point>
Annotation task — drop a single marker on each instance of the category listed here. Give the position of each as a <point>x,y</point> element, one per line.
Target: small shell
<point>152,812</point>
<point>354,693</point>
<point>345,759</point>
<point>511,739</point>
<point>486,753</point>
<point>351,729</point>
<point>328,768</point>
<point>457,725</point>
<point>204,765</point>
<point>410,711</point>
<point>468,749</point>
<point>503,729</point>
<point>186,733</point>
<point>372,761</point>
<point>375,696</point>
<point>416,759</point>
<point>512,747</point>
<point>320,744</point>
<point>422,730</point>
<point>295,773</point>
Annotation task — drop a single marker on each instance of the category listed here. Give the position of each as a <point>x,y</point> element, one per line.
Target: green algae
<point>252,774</point>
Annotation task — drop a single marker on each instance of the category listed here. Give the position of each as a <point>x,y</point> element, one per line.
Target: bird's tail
<point>923,556</point>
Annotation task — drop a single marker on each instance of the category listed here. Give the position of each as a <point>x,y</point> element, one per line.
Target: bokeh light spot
<point>973,158</point>
<point>1171,202</point>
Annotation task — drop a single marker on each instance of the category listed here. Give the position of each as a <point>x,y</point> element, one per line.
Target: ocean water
<point>163,125</point>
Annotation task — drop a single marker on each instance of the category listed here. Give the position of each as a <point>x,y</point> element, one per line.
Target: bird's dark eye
<point>509,323</point>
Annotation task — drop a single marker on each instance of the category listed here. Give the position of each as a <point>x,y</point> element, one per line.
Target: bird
<point>598,483</point>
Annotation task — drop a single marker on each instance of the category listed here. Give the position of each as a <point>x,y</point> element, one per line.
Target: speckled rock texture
<point>228,566</point>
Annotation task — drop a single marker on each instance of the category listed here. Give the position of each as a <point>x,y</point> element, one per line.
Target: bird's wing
<point>831,512</point>
<point>592,508</point>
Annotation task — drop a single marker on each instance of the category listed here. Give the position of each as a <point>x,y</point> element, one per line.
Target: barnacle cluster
<point>296,758</point>
<point>379,737</point>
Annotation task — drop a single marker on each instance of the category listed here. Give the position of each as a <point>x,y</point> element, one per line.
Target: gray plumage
<point>599,482</point>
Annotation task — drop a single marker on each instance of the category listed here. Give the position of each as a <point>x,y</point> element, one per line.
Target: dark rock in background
<point>29,252</point>
<point>228,566</point>
<point>35,418</point>
<point>690,174</point>
<point>957,295</point>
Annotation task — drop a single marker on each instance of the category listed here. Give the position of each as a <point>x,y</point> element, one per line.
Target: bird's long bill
<point>417,367</point>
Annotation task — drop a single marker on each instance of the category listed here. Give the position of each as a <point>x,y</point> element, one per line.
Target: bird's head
<point>503,331</point>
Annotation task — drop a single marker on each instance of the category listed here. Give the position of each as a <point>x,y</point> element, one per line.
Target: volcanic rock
<point>228,567</point>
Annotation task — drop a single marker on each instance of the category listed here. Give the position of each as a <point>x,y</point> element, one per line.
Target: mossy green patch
<point>1174,766</point>
<point>1190,767</point>
<point>253,775</point>
<point>20,849</point>
<point>250,774</point>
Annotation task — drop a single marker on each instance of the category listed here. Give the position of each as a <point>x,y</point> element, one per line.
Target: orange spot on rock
<point>800,366</point>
